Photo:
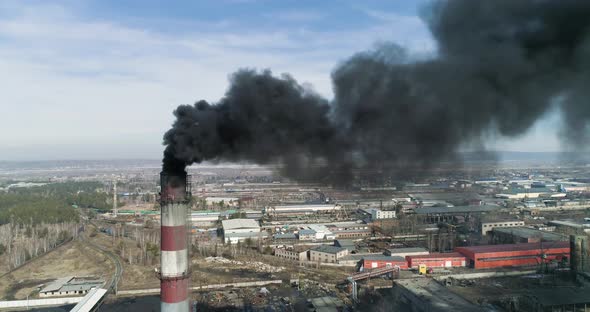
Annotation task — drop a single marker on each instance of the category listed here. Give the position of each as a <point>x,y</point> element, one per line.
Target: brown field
<point>73,259</point>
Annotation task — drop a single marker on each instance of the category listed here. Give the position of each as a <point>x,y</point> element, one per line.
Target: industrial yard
<point>246,254</point>
<point>309,156</point>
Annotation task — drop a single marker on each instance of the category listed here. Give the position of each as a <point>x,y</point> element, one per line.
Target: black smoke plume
<point>500,66</point>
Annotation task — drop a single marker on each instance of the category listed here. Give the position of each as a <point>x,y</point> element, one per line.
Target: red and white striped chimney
<point>174,272</point>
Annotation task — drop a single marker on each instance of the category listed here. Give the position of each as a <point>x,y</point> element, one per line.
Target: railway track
<point>118,264</point>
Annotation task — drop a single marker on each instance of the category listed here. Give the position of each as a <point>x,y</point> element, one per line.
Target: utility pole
<point>115,198</point>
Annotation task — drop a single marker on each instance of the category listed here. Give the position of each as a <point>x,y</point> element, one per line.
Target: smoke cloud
<point>500,66</point>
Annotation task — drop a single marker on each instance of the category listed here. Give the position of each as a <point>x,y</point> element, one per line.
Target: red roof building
<point>440,260</point>
<point>494,256</point>
<point>380,261</point>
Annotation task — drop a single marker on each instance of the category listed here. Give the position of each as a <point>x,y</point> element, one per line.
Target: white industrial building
<point>70,286</point>
<point>227,201</point>
<point>489,226</point>
<point>235,230</point>
<point>378,214</point>
<point>321,231</point>
<point>522,193</point>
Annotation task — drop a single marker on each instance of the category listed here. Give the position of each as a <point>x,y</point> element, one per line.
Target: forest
<point>51,203</point>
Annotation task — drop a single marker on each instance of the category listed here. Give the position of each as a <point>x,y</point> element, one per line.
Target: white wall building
<point>489,226</point>
<point>378,214</point>
<point>235,230</point>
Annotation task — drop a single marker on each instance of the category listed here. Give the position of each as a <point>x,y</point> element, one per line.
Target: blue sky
<point>99,79</point>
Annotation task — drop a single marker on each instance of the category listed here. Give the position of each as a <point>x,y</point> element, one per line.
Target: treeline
<point>23,242</point>
<point>51,203</point>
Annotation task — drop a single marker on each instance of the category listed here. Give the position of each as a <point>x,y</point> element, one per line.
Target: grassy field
<point>74,259</point>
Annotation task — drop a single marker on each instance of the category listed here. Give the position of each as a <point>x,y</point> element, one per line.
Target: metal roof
<point>531,233</point>
<point>57,284</point>
<point>232,224</point>
<point>328,249</point>
<point>438,255</point>
<point>407,250</point>
<point>307,232</point>
<point>384,258</point>
<point>514,247</point>
<point>456,209</point>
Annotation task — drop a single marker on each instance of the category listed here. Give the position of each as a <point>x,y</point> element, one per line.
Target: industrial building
<point>408,251</point>
<point>494,256</point>
<point>378,214</point>
<point>489,226</point>
<point>382,261</point>
<point>70,286</point>
<point>440,260</point>
<point>294,210</point>
<point>443,214</point>
<point>534,192</point>
<point>524,235</point>
<point>571,226</point>
<point>327,254</point>
<point>295,254</point>
<point>306,234</point>
<point>235,230</point>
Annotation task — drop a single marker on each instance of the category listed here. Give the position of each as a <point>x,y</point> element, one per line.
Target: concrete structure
<point>204,218</point>
<point>426,295</point>
<point>351,234</point>
<point>306,234</point>
<point>91,301</point>
<point>70,286</point>
<point>225,201</point>
<point>442,214</point>
<point>438,260</point>
<point>404,252</point>
<point>557,299</point>
<point>486,227</point>
<point>174,269</point>
<point>494,256</point>
<point>285,236</point>
<point>514,235</point>
<point>571,226</point>
<point>302,209</point>
<point>295,254</point>
<point>18,305</point>
<point>327,254</point>
<point>579,253</point>
<point>327,304</point>
<point>345,243</point>
<point>235,230</point>
<point>378,214</point>
<point>534,192</point>
<point>381,261</point>
<point>321,231</point>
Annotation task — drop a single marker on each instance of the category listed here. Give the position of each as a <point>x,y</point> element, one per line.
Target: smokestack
<point>174,270</point>
<point>499,66</point>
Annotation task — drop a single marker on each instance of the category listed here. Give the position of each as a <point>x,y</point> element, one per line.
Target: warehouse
<point>489,226</point>
<point>444,260</point>
<point>235,230</point>
<point>327,254</point>
<point>381,261</point>
<point>408,251</point>
<point>524,235</point>
<point>70,286</point>
<point>494,256</point>
<point>442,214</point>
